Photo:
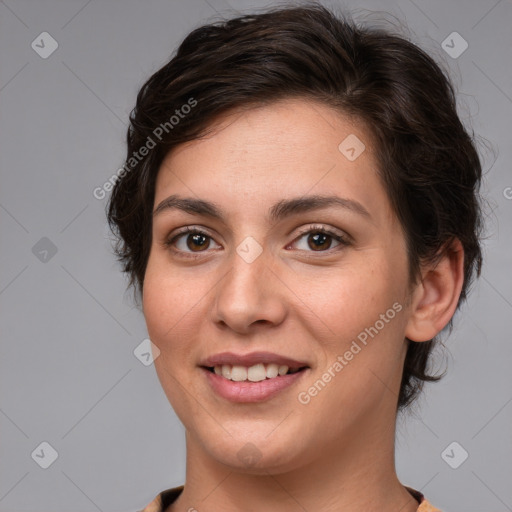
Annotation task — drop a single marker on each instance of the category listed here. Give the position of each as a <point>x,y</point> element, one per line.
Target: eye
<point>193,240</point>
<point>190,240</point>
<point>319,239</point>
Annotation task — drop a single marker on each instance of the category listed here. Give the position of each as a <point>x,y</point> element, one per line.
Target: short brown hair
<point>428,161</point>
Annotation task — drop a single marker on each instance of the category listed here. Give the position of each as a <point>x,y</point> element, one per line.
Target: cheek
<point>349,299</point>
<point>166,302</point>
<point>168,306</point>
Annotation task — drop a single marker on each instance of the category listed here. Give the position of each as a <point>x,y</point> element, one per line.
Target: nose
<point>249,296</point>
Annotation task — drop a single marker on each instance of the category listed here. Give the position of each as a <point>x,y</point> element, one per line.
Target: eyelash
<point>343,240</point>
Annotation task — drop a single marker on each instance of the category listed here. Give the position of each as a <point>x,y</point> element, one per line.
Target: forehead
<point>260,155</point>
<point>286,129</point>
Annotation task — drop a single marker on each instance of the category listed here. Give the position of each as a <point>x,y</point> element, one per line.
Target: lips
<point>254,377</point>
<point>251,359</point>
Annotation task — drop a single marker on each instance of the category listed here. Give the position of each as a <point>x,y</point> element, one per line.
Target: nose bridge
<point>248,293</point>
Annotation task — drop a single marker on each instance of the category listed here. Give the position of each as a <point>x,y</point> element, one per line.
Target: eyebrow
<point>280,210</point>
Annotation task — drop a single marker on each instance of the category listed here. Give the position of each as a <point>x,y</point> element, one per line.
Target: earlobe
<point>436,297</point>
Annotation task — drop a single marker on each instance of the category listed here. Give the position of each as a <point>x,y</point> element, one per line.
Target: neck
<point>358,475</point>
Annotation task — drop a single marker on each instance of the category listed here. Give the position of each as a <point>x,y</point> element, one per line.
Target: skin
<point>336,452</point>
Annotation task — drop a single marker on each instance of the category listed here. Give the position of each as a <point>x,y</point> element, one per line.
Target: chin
<point>256,454</point>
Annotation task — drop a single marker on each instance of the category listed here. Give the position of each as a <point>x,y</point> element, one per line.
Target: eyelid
<point>343,238</point>
<point>171,239</point>
<point>334,232</point>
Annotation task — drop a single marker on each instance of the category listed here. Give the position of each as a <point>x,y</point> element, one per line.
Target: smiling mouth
<point>255,373</point>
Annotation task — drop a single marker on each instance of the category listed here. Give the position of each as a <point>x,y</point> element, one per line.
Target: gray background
<point>69,375</point>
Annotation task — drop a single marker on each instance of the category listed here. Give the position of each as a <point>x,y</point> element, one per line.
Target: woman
<point>298,212</point>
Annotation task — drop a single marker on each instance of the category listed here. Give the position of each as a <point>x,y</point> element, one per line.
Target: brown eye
<point>319,239</point>
<point>190,241</point>
<point>197,242</point>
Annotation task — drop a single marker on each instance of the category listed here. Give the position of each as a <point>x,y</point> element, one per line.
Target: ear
<point>435,298</point>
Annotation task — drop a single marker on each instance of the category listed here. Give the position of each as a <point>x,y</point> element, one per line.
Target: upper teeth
<point>253,373</point>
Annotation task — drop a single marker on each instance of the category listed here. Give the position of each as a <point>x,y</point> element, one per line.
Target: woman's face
<point>260,284</point>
